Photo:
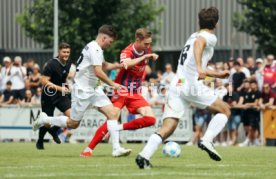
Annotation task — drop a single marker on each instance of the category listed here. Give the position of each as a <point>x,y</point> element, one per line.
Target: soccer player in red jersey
<point>135,58</point>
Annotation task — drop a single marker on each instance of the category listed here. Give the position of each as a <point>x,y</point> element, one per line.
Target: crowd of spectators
<point>250,88</point>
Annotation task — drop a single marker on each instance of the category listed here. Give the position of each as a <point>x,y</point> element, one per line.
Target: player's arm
<point>110,66</point>
<point>199,46</point>
<point>103,77</point>
<point>45,81</point>
<point>216,74</point>
<point>129,63</point>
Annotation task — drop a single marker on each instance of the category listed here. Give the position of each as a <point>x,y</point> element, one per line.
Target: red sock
<point>100,133</point>
<point>139,123</point>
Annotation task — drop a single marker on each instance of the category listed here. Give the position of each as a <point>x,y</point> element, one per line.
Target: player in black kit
<point>55,91</point>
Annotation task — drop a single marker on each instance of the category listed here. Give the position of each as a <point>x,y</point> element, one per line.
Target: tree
<point>79,21</point>
<point>258,19</point>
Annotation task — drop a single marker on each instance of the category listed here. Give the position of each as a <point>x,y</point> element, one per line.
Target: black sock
<point>41,134</point>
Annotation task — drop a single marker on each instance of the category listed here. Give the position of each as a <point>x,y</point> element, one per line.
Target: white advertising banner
<point>16,123</point>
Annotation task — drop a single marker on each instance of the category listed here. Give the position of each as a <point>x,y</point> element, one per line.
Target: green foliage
<point>79,21</point>
<point>258,19</point>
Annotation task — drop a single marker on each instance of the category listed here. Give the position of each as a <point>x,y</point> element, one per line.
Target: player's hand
<point>154,56</point>
<point>116,86</point>
<point>65,90</point>
<point>225,73</point>
<point>201,74</point>
<point>124,65</point>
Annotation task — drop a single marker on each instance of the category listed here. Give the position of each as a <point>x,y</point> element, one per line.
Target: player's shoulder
<point>93,46</point>
<point>126,52</point>
<point>210,38</point>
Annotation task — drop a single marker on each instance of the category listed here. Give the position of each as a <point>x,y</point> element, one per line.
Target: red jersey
<point>132,78</point>
<point>269,75</point>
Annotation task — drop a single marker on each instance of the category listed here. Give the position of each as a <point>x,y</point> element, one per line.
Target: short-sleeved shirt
<point>132,78</point>
<point>230,98</point>
<point>85,78</point>
<point>7,94</point>
<point>267,96</point>
<point>57,72</point>
<point>269,75</point>
<point>238,78</point>
<point>251,96</point>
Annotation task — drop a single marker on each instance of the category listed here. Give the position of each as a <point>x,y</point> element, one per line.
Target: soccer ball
<point>171,149</point>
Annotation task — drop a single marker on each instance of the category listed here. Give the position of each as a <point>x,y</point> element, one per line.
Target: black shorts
<point>251,118</point>
<point>48,104</point>
<point>19,94</point>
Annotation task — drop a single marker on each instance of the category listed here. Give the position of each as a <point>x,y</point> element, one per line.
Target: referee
<point>55,91</point>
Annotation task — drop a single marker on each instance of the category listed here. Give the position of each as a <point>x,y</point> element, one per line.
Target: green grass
<point>22,160</point>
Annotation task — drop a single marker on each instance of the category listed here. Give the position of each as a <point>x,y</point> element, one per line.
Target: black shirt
<point>251,96</point>
<point>238,78</point>
<point>58,74</point>
<point>230,98</point>
<point>7,94</point>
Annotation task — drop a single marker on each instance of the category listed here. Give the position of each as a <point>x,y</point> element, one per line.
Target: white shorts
<point>180,98</point>
<point>79,105</point>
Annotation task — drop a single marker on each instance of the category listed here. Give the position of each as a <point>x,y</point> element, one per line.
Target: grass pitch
<point>22,160</point>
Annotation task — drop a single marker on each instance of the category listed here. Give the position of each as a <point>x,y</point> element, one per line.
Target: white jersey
<point>186,64</point>
<point>85,79</point>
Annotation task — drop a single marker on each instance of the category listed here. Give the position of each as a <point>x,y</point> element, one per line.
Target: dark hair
<point>63,45</point>
<point>9,83</point>
<point>237,63</point>
<point>208,18</point>
<point>142,33</point>
<point>253,81</point>
<point>108,30</point>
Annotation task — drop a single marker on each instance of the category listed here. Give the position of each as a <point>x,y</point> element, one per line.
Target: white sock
<point>113,128</point>
<point>60,121</point>
<point>152,145</point>
<point>120,127</point>
<point>215,126</point>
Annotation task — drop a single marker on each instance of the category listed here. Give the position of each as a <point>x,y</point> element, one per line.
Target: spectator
<point>268,98</point>
<point>201,116</point>
<point>233,99</point>
<point>243,68</point>
<point>18,74</point>
<point>8,94</point>
<point>37,96</point>
<point>270,72</point>
<point>28,97</point>
<point>5,72</point>
<point>168,75</point>
<point>250,63</point>
<point>251,115</point>
<point>237,77</point>
<point>29,66</point>
<point>259,73</point>
<point>34,79</point>
<point>231,62</point>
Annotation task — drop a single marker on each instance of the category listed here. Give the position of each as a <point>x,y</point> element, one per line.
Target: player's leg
<point>215,126</point>
<point>113,128</point>
<point>98,136</point>
<point>154,141</point>
<point>138,105</point>
<point>48,108</point>
<point>64,105</point>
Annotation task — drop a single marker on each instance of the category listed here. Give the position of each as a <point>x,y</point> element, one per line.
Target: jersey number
<point>79,61</point>
<point>184,54</point>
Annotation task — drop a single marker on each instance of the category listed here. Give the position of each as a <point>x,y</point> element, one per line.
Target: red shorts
<point>132,103</point>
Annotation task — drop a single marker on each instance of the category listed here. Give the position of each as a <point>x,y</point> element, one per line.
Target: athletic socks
<point>112,126</point>
<point>42,131</point>
<point>99,134</point>
<point>139,123</point>
<point>152,145</point>
<point>60,121</point>
<point>215,126</point>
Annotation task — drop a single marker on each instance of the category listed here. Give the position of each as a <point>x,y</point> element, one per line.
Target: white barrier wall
<point>16,123</point>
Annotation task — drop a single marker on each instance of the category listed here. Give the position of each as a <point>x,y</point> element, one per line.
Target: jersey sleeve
<point>125,54</point>
<point>96,57</point>
<point>48,69</point>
